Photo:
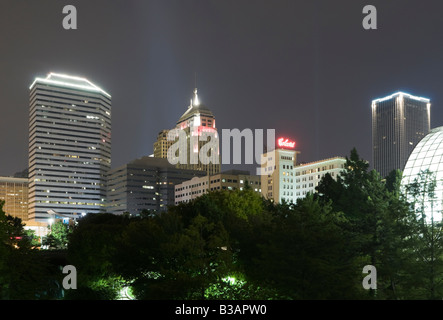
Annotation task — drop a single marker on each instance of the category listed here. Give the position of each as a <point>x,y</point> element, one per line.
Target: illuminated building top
<point>399,122</point>
<point>195,109</point>
<point>401,94</point>
<point>70,81</point>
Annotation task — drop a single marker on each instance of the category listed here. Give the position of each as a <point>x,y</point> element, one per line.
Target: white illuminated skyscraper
<point>399,122</point>
<point>69,147</point>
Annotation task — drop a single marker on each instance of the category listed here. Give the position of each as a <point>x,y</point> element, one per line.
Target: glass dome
<point>427,155</point>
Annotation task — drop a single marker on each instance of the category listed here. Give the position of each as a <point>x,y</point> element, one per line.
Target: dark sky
<point>305,68</point>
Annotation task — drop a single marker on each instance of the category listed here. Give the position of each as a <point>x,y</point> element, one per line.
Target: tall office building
<point>69,147</point>
<point>197,125</point>
<point>399,122</point>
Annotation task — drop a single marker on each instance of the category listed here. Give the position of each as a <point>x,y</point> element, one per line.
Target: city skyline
<point>299,71</point>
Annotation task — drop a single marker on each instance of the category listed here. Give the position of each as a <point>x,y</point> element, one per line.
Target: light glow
<point>196,102</point>
<point>285,143</point>
<point>400,94</point>
<point>48,80</point>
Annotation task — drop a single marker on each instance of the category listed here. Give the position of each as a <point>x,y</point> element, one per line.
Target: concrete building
<point>227,180</point>
<point>147,183</point>
<point>69,147</point>
<point>288,181</point>
<point>278,184</point>
<point>399,122</point>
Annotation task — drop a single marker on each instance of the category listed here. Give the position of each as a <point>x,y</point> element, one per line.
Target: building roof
<point>13,180</point>
<point>151,162</point>
<point>402,94</point>
<point>70,82</point>
<point>304,164</point>
<point>195,108</point>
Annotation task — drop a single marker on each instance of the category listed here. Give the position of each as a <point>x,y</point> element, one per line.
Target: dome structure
<point>427,156</point>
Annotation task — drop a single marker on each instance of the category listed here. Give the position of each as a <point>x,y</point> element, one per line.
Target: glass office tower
<point>399,122</point>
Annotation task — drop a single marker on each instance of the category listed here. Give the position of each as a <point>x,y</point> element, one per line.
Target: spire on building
<point>196,102</point>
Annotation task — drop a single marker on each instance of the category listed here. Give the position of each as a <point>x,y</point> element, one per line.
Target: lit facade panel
<point>399,122</point>
<point>162,145</point>
<point>69,146</point>
<point>14,192</point>
<point>428,155</point>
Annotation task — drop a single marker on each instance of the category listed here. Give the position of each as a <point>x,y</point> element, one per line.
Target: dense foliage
<point>236,245</point>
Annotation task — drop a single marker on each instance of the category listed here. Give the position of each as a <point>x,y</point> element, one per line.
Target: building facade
<point>147,183</point>
<point>162,145</point>
<point>399,122</point>
<point>227,180</point>
<point>308,175</point>
<point>278,181</point>
<point>14,193</point>
<point>69,147</point>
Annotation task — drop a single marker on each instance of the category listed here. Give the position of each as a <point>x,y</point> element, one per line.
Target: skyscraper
<point>198,129</point>
<point>399,122</point>
<point>69,147</point>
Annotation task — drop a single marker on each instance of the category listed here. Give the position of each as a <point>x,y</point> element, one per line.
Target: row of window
<point>318,169</point>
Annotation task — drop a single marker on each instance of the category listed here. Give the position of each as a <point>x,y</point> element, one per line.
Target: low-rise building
<point>227,180</point>
<point>308,175</point>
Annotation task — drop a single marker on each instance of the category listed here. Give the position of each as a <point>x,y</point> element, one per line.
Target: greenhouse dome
<point>427,156</point>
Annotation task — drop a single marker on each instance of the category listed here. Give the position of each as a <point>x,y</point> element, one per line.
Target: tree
<point>23,273</point>
<point>380,222</point>
<point>91,248</point>
<point>58,236</point>
<point>305,256</point>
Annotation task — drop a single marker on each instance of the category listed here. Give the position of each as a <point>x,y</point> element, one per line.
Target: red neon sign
<point>285,143</point>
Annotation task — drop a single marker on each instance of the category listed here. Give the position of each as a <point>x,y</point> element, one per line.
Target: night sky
<point>305,68</point>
